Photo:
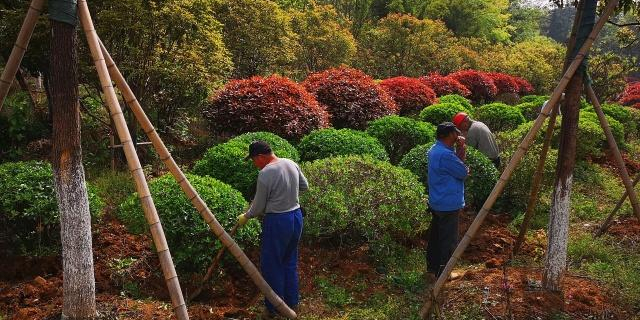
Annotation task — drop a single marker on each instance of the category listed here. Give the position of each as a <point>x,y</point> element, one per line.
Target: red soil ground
<point>32,289</point>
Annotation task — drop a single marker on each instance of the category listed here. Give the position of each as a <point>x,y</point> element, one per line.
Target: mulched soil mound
<point>627,231</point>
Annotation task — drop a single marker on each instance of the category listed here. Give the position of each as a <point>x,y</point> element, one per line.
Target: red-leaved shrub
<point>444,86</point>
<point>481,86</point>
<point>524,87</point>
<point>274,104</point>
<point>504,83</point>
<point>409,94</point>
<point>631,95</point>
<point>350,96</point>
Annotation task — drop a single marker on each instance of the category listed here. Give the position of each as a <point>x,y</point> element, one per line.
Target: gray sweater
<point>480,137</point>
<point>277,188</point>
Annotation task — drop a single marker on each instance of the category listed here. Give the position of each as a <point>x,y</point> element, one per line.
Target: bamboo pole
<point>537,180</point>
<point>191,193</point>
<point>607,222</point>
<point>624,174</point>
<point>19,48</point>
<point>515,159</point>
<point>166,263</point>
<point>212,267</point>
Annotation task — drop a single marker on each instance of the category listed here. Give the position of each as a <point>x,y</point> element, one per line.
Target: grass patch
<point>333,295</point>
<point>604,259</point>
<point>114,186</point>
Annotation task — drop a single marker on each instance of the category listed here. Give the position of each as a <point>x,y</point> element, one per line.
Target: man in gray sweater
<point>279,182</point>
<point>478,135</point>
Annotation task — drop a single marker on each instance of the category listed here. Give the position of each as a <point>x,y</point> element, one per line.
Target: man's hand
<point>461,141</point>
<point>242,220</point>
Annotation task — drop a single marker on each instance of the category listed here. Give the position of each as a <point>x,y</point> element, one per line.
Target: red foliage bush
<point>444,86</point>
<point>350,96</point>
<point>409,94</point>
<point>274,104</point>
<point>504,83</point>
<point>481,86</point>
<point>524,87</point>
<point>631,95</point>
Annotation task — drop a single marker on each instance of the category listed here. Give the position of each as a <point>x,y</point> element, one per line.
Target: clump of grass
<point>114,186</point>
<point>334,295</point>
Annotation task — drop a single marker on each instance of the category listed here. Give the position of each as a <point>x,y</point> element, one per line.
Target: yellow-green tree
<point>324,39</point>
<point>259,35</point>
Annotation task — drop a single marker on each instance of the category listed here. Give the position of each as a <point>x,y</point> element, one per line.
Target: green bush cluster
<point>499,116</point>
<point>530,110</point>
<point>441,112</point>
<point>191,241</point>
<point>326,143</point>
<point>534,98</point>
<point>478,185</point>
<point>226,163</point>
<point>398,135</point>
<point>456,99</point>
<point>28,208</point>
<point>620,113</point>
<point>359,197</point>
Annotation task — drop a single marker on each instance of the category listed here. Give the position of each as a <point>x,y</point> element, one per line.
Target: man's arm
<point>259,202</point>
<point>454,166</point>
<point>303,184</point>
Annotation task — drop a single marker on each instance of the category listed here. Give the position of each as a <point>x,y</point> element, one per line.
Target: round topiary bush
<point>409,94</point>
<point>29,216</point>
<point>620,113</point>
<point>441,112</point>
<point>191,241</point>
<point>226,163</point>
<point>534,98</point>
<point>456,99</point>
<point>444,85</point>
<point>359,197</point>
<point>499,116</point>
<point>350,96</point>
<point>481,86</point>
<point>327,143</point>
<point>398,135</point>
<point>478,185</point>
<point>590,130</point>
<point>530,110</point>
<point>274,104</point>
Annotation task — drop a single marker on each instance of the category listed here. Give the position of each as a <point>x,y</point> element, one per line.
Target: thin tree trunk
<point>75,219</point>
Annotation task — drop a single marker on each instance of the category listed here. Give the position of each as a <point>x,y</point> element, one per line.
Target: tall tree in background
<point>556,257</point>
<point>75,220</point>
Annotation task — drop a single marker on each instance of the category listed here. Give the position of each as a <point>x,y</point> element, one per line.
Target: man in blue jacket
<point>446,175</point>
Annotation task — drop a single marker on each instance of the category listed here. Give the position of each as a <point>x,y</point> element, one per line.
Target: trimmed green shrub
<point>616,129</point>
<point>622,114</point>
<point>457,99</point>
<point>441,112</point>
<point>327,143</point>
<point>29,213</point>
<point>530,110</point>
<point>191,241</point>
<point>478,185</point>
<point>360,197</point>
<point>499,116</point>
<point>398,135</point>
<point>226,163</point>
<point>635,119</point>
<point>534,98</point>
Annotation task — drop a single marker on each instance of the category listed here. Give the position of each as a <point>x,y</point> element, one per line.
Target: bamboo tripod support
<point>19,48</point>
<point>166,263</point>
<point>607,222</point>
<point>515,159</point>
<point>191,193</point>
<point>624,174</point>
<point>537,180</point>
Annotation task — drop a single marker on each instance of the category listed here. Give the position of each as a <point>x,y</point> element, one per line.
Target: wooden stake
<point>626,180</point>
<point>166,262</point>
<point>607,222</point>
<point>191,193</point>
<point>19,48</point>
<point>515,159</point>
<point>537,180</point>
<point>212,267</point>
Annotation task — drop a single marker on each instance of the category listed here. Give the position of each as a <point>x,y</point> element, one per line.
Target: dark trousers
<point>443,238</point>
<point>279,255</point>
<point>496,162</point>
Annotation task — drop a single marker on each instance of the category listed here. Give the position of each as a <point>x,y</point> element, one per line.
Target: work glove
<point>242,220</point>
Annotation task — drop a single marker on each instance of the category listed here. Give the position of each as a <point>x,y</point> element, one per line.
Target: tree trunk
<point>75,219</point>
<point>556,257</point>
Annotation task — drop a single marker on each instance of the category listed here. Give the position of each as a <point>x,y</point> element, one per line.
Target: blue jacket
<point>446,178</point>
